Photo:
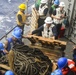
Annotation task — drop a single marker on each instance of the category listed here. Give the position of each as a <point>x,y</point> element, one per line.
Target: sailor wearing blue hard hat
<point>16,38</point>
<point>67,66</point>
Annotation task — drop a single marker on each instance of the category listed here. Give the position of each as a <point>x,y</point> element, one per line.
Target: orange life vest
<point>71,66</point>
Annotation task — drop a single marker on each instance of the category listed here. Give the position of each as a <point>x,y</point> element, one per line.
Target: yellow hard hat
<point>22,6</point>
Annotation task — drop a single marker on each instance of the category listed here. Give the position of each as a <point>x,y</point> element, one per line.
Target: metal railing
<point>5,35</point>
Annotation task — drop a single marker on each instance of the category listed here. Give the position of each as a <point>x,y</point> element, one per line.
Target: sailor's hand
<point>30,33</point>
<point>5,51</point>
<point>74,47</point>
<point>53,38</point>
<point>28,15</point>
<point>28,36</point>
<point>59,18</point>
<point>27,23</point>
<point>23,36</point>
<point>62,15</point>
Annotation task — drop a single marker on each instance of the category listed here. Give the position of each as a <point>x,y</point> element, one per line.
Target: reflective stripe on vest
<point>47,32</point>
<point>58,14</point>
<point>71,66</point>
<point>23,18</point>
<point>71,63</point>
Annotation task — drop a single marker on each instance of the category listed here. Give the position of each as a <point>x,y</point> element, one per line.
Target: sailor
<point>53,7</point>
<point>21,16</point>
<point>43,10</point>
<point>48,29</point>
<point>15,39</point>
<point>58,16</point>
<point>10,42</point>
<point>67,66</point>
<point>9,73</point>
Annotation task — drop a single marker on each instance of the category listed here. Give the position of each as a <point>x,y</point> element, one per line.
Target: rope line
<point>30,61</point>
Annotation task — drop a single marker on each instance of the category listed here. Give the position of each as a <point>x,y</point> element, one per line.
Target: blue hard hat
<point>62,62</point>
<point>1,46</point>
<point>17,28</point>
<point>9,73</point>
<point>57,72</point>
<point>17,34</point>
<point>56,2</point>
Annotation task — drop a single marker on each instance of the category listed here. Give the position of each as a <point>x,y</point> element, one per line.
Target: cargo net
<point>30,61</point>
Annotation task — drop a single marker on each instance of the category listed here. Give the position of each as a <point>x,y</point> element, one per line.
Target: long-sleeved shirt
<point>41,28</point>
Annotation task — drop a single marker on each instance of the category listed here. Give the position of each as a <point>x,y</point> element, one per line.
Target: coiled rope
<point>30,61</point>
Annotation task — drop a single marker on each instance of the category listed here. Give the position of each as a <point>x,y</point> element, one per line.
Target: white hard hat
<point>62,4</point>
<point>44,1</point>
<point>48,20</point>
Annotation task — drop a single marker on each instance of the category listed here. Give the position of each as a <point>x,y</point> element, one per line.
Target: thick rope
<point>30,61</point>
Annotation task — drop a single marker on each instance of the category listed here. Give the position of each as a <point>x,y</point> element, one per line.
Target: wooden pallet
<point>46,42</point>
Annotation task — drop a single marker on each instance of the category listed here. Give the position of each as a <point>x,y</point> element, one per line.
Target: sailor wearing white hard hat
<point>48,29</point>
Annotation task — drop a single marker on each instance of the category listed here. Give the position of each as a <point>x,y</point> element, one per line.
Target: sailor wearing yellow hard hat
<point>21,16</point>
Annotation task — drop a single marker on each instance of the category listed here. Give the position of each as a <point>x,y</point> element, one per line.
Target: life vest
<point>71,66</point>
<point>58,14</point>
<point>23,18</point>
<point>41,10</point>
<point>47,32</point>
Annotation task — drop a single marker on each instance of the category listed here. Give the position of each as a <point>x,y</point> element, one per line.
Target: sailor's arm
<point>38,30</point>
